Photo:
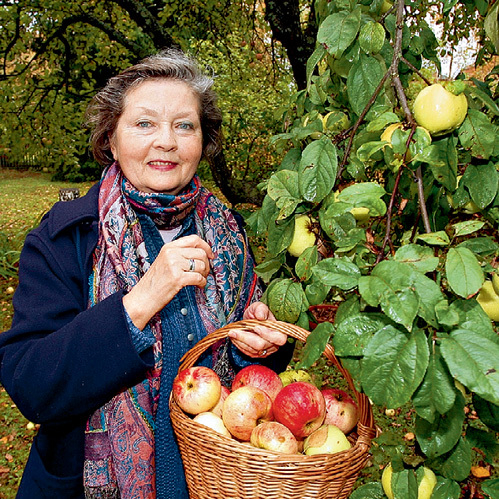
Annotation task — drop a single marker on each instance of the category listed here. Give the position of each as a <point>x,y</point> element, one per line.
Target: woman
<point>116,286</point>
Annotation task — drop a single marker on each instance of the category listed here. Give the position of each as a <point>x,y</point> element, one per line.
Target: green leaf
<point>420,257</point>
<point>481,245</point>
<point>280,235</point>
<point>487,412</point>
<point>405,484</point>
<point>306,262</point>
<point>440,436</point>
<point>482,193</point>
<point>269,267</point>
<point>464,274</point>
<point>313,60</point>
<point>283,189</point>
<point>436,394</point>
<point>363,78</point>
<point>472,317</point>
<point>491,488</point>
<point>353,333</point>
<point>478,134</point>
<point>372,37</point>
<point>446,489</point>
<point>442,158</point>
<point>474,361</point>
<point>318,168</point>
<point>394,365</point>
<point>491,26</point>
<point>439,238</point>
<point>287,300</point>
<point>338,31</point>
<point>455,464</point>
<point>316,293</point>
<point>315,344</point>
<point>339,272</point>
<point>468,227</point>
<point>372,490</point>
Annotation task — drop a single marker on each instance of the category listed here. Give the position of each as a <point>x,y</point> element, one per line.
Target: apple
<point>244,409</point>
<point>211,420</point>
<point>489,300</point>
<point>260,376</point>
<point>425,487</point>
<point>328,439</point>
<point>274,436</point>
<point>438,110</point>
<point>341,409</point>
<point>301,407</point>
<point>218,408</point>
<point>196,389</point>
<point>292,375</point>
<point>303,237</point>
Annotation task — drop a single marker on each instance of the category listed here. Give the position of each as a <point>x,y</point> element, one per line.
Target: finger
<point>194,241</point>
<point>269,335</point>
<point>246,341</point>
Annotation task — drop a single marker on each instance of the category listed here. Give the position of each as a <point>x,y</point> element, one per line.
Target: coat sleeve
<point>60,360</point>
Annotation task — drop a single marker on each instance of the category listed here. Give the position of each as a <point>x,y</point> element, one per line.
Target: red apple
<point>244,409</point>
<point>301,407</point>
<point>341,409</point>
<point>196,389</point>
<point>212,421</point>
<point>260,376</point>
<point>274,436</point>
<point>220,404</point>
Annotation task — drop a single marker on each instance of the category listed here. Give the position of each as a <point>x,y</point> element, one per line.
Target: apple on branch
<point>274,436</point>
<point>328,439</point>
<point>196,389</point>
<point>244,409</point>
<point>341,409</point>
<point>260,376</point>
<point>303,236</point>
<point>301,407</point>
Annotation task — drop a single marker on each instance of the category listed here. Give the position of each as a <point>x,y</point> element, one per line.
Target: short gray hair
<point>107,105</point>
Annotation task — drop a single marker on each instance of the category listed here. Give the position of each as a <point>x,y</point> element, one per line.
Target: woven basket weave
<point>217,467</point>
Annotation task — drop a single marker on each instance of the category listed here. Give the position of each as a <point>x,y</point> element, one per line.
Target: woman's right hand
<point>168,274</point>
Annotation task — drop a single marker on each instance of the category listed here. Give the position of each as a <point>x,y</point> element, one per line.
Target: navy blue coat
<point>61,361</point>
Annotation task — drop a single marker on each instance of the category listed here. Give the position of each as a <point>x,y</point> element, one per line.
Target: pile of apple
<point>284,413</point>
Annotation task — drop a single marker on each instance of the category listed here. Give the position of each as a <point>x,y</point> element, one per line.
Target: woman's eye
<point>144,124</point>
<point>186,125</point>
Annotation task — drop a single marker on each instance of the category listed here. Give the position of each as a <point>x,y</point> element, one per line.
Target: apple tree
<point>395,172</point>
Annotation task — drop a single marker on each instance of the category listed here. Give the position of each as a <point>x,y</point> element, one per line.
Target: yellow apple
<point>328,439</point>
<point>438,110</point>
<point>303,236</point>
<point>489,300</point>
<point>425,488</point>
<point>495,282</point>
<point>293,375</point>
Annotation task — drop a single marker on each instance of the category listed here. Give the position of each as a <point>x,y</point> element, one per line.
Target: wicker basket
<point>217,467</point>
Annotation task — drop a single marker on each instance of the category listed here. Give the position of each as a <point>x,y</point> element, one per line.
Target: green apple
<point>328,439</point>
<point>489,300</point>
<point>438,110</point>
<point>425,488</point>
<point>303,236</point>
<point>292,375</point>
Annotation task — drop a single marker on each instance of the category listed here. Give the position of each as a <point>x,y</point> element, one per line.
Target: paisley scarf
<point>122,453</point>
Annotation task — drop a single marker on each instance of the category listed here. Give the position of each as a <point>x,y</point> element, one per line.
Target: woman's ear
<point>112,146</point>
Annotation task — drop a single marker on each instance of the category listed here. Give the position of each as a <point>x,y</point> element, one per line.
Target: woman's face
<point>158,140</point>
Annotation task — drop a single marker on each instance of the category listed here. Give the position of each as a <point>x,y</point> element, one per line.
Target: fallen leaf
<point>4,470</point>
<point>480,472</point>
<point>9,457</point>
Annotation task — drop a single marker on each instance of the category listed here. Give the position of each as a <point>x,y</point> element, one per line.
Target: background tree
<point>55,54</point>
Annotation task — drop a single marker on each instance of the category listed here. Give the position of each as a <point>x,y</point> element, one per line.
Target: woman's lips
<point>162,165</point>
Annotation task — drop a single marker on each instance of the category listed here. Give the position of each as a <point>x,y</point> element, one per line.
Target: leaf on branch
<point>315,344</point>
<point>464,273</point>
<point>338,31</point>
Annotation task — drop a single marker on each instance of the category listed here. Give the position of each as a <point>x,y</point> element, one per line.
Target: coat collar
<point>68,213</point>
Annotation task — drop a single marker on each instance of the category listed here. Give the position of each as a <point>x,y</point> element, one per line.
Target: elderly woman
<point>116,286</point>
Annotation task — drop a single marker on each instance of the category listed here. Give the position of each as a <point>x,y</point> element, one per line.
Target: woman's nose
<point>165,137</point>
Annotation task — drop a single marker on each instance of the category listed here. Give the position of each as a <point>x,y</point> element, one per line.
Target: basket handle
<point>298,333</point>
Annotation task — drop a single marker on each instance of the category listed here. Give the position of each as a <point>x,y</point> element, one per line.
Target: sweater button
<point>190,336</point>
<point>183,311</point>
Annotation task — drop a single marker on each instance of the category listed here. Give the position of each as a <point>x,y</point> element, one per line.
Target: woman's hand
<point>180,263</point>
<point>262,340</point>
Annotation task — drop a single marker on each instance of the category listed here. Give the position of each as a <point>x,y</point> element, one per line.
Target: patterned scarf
<point>120,455</point>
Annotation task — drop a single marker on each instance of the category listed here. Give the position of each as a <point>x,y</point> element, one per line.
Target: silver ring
<point>263,353</point>
<point>192,264</point>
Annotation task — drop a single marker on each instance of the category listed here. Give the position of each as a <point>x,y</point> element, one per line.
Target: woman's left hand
<point>262,341</point>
